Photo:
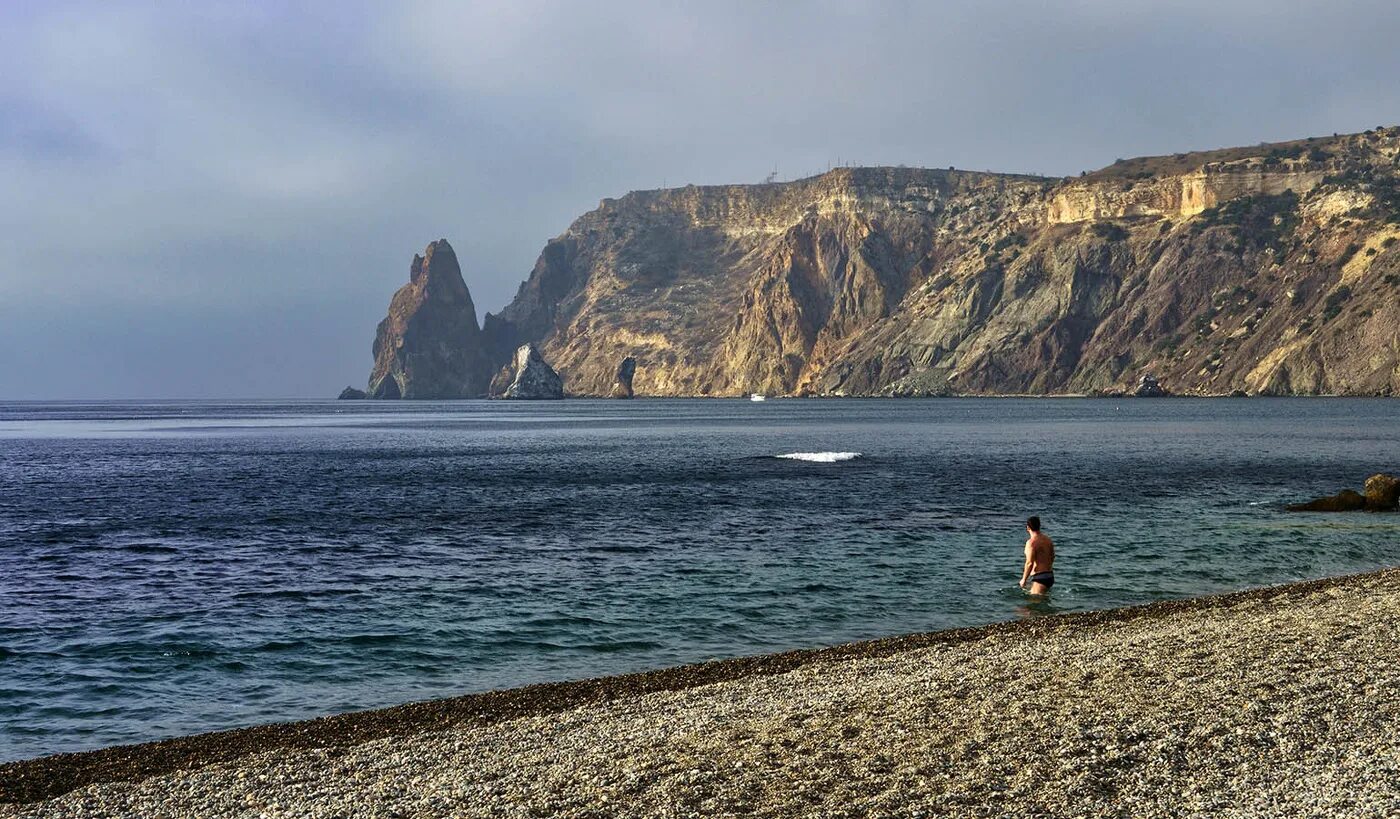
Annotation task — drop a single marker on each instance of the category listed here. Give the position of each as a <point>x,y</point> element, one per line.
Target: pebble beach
<point>1276,701</point>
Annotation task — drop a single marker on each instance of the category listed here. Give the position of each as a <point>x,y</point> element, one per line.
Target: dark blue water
<point>178,567</point>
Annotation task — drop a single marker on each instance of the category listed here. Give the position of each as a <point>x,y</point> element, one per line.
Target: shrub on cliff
<point>1261,220</point>
<point>1109,231</point>
<point>1333,305</point>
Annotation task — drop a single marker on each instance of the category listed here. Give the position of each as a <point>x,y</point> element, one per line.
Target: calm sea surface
<point>168,568</point>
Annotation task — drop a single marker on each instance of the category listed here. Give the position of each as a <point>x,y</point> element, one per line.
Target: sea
<point>168,568</point>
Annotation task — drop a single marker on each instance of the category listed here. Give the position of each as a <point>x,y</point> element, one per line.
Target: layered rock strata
<point>1271,270</point>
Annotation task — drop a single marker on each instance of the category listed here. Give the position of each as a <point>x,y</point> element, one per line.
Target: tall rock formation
<point>622,384</point>
<point>430,346</point>
<point>534,379</point>
<point>1270,269</point>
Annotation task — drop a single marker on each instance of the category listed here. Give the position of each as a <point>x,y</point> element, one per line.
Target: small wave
<point>620,549</point>
<point>820,457</point>
<point>371,639</point>
<point>608,647</point>
<point>149,549</point>
<point>279,645</point>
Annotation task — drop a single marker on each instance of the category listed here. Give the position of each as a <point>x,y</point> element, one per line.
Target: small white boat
<point>757,397</point>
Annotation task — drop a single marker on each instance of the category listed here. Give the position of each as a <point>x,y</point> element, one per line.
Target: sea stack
<point>534,378</point>
<point>622,384</point>
<point>430,346</point>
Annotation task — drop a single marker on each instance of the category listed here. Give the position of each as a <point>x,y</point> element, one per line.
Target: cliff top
<point>1314,149</point>
<point>890,177</point>
<point>868,177</point>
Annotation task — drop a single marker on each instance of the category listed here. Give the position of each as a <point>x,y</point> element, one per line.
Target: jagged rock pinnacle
<point>429,346</point>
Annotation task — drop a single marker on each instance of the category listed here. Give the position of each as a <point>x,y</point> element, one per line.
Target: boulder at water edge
<point>1382,493</point>
<point>1149,387</point>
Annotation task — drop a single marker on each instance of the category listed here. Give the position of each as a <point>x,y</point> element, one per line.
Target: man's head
<point>1033,524</point>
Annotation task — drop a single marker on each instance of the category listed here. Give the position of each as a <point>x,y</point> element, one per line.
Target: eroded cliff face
<point>430,346</point>
<point>1272,269</point>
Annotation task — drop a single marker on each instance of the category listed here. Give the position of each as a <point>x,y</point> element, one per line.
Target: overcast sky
<point>218,200</point>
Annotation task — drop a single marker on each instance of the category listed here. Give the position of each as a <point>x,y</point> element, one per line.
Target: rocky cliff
<point>430,346</point>
<point>1271,269</point>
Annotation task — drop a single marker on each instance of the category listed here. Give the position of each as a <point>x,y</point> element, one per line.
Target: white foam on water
<point>820,457</point>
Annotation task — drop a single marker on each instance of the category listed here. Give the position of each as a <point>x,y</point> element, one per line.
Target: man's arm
<point>1026,569</point>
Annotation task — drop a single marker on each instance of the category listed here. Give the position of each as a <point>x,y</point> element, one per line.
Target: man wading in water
<point>1040,559</point>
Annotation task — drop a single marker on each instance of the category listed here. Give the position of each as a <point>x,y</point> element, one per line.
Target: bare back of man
<point>1039,569</point>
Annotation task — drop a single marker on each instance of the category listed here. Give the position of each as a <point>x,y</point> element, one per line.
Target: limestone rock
<point>534,378</point>
<point>1382,493</point>
<point>1269,269</point>
<point>352,394</point>
<point>1149,387</point>
<point>1348,500</point>
<point>622,385</point>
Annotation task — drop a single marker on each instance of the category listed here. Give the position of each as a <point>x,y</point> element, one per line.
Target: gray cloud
<point>219,200</point>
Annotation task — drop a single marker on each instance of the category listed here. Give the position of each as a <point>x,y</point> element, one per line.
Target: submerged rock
<point>622,384</point>
<point>1348,500</point>
<point>534,378</point>
<point>1382,493</point>
<point>352,394</point>
<point>1149,387</point>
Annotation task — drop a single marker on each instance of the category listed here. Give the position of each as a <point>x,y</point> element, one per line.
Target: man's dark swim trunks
<point>1046,579</point>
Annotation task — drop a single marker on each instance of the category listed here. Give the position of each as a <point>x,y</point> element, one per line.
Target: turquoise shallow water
<point>167,568</point>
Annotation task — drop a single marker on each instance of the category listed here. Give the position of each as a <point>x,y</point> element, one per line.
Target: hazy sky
<point>218,199</point>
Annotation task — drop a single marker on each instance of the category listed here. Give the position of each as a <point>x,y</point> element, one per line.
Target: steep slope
<point>1272,269</point>
<point>430,346</point>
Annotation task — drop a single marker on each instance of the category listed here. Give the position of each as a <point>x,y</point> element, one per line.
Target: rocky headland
<point>1272,270</point>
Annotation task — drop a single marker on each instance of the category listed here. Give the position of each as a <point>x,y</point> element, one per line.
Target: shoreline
<point>43,778</point>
